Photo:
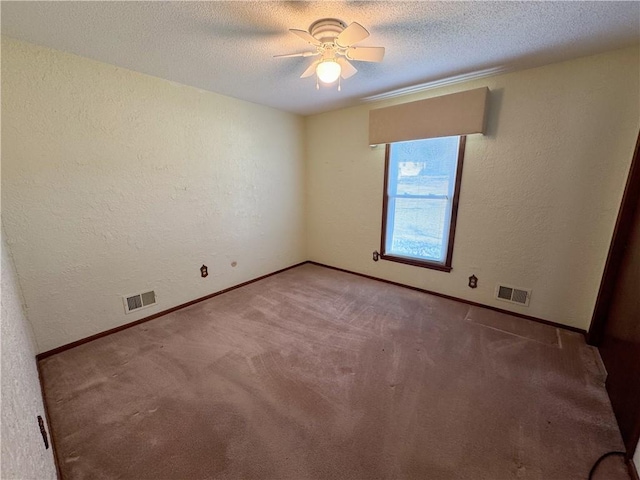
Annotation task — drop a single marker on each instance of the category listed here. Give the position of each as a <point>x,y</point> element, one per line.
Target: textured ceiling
<point>228,47</point>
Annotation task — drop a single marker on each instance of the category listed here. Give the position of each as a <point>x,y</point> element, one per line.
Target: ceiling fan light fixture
<point>328,71</point>
<point>334,43</point>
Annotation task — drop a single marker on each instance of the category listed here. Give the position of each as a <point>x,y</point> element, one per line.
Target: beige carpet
<point>319,374</point>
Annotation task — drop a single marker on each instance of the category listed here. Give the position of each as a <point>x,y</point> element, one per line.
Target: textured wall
<point>23,454</point>
<point>539,196</point>
<point>115,182</point>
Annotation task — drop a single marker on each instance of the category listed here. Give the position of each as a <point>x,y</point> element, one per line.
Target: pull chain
<point>317,83</point>
<point>339,87</point>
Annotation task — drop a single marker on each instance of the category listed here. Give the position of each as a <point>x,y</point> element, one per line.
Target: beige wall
<point>539,196</point>
<point>23,451</point>
<point>115,182</point>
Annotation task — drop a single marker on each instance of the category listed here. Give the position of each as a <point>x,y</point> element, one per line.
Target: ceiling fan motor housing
<point>326,30</point>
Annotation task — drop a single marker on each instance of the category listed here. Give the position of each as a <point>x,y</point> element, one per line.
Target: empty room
<point>320,240</point>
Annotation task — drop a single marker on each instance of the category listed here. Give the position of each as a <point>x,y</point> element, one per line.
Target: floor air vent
<point>521,296</point>
<point>138,301</point>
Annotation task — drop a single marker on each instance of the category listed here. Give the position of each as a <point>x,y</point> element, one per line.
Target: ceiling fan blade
<point>311,69</point>
<point>300,54</point>
<point>352,34</point>
<point>348,70</point>
<point>306,36</point>
<point>366,54</point>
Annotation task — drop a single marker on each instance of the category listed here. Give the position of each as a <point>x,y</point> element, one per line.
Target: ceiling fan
<point>333,41</point>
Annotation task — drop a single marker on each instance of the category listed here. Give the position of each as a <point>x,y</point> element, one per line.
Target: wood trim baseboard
<point>119,328</point>
<point>450,297</point>
<point>82,341</point>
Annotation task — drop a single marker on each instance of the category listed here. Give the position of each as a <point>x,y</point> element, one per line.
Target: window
<point>422,185</point>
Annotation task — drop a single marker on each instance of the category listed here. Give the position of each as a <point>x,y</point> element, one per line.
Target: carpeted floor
<point>319,374</point>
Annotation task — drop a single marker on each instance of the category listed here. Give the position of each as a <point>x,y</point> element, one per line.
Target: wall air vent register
<point>520,296</point>
<point>138,301</point>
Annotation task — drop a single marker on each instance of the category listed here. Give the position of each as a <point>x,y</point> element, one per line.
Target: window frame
<point>446,265</point>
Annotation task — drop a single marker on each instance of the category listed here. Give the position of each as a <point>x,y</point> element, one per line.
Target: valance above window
<point>459,113</point>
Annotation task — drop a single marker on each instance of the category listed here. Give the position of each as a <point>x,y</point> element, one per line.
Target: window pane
<point>424,167</point>
<point>420,191</point>
<point>419,228</point>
